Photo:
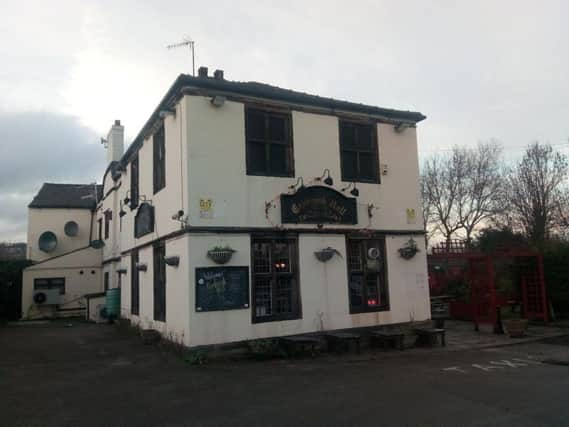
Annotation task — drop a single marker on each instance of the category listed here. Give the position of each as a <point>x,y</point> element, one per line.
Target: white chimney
<point>115,142</point>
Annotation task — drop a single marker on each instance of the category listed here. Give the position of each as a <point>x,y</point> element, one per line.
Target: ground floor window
<point>367,275</point>
<point>159,282</point>
<point>134,284</point>
<point>51,283</point>
<point>275,286</point>
<point>106,280</point>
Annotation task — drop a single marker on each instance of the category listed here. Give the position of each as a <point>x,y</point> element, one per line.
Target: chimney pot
<point>218,74</point>
<point>202,72</point>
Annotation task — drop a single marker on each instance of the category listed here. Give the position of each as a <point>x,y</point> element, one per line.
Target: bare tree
<point>479,196</point>
<point>441,180</point>
<point>535,191</point>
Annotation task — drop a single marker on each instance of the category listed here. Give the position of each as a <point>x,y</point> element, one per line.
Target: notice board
<point>222,288</point>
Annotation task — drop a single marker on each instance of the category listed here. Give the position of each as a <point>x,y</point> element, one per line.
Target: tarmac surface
<point>91,375</point>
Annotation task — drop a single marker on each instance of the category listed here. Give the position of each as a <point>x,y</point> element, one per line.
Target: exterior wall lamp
<point>354,192</point>
<point>297,185</point>
<point>218,101</point>
<point>328,180</point>
<point>401,126</point>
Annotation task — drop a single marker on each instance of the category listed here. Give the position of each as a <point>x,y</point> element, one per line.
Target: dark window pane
<point>278,155</point>
<point>356,290</point>
<point>365,137</point>
<point>368,169</point>
<point>349,166</point>
<point>263,297</point>
<point>284,295</point>
<point>347,135</point>
<point>257,157</point>
<point>261,258</point>
<point>255,125</point>
<point>372,292</point>
<point>277,128</point>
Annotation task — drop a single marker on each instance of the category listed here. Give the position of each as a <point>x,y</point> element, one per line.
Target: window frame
<point>100,225</point>
<point>374,151</point>
<point>134,182</point>
<point>134,283</point>
<point>294,275</point>
<point>106,281</point>
<point>267,112</point>
<point>159,280</point>
<point>381,275</point>
<point>49,285</point>
<point>159,163</point>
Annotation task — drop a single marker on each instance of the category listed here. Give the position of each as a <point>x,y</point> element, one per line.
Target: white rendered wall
<point>217,169</point>
<point>323,290</point>
<point>41,220</point>
<point>82,273</point>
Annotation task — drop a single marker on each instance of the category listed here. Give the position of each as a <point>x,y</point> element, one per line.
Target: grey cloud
<point>37,147</point>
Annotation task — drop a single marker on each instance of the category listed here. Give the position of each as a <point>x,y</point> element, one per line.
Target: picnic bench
<point>428,336</point>
<point>301,344</point>
<point>341,341</point>
<point>385,338</point>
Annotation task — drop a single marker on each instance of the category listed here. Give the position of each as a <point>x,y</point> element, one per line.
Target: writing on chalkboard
<point>222,288</point>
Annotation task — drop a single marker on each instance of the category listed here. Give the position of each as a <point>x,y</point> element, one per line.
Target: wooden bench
<point>428,336</point>
<point>386,338</point>
<point>301,344</point>
<point>340,341</point>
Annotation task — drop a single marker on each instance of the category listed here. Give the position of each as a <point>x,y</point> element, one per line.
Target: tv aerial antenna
<point>186,43</point>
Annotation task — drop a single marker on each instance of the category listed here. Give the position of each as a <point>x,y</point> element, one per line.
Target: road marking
<point>509,364</point>
<point>486,368</point>
<point>456,369</point>
<point>513,363</point>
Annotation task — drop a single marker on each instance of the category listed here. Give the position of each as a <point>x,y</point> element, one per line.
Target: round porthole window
<point>71,228</point>
<point>47,241</point>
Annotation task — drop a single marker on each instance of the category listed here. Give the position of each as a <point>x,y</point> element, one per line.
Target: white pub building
<point>242,211</point>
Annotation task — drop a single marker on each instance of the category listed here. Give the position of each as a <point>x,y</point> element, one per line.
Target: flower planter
<point>409,250</point>
<point>326,254</point>
<point>220,256</point>
<point>517,328</point>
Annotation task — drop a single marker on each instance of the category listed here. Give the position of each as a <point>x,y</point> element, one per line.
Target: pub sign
<point>318,205</point>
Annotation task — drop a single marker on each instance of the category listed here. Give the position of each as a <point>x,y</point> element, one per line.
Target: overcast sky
<point>478,70</point>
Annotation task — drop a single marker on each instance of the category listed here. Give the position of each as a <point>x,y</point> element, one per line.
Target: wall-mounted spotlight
<point>218,100</point>
<point>122,212</point>
<point>126,199</point>
<point>297,185</point>
<point>121,270</point>
<point>141,267</point>
<point>401,126</point>
<point>328,180</point>
<point>172,261</point>
<point>354,192</point>
<point>165,113</point>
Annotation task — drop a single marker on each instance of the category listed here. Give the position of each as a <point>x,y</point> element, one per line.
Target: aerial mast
<point>190,44</point>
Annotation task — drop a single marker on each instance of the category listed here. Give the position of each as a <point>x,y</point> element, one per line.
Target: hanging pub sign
<point>144,220</point>
<point>318,205</point>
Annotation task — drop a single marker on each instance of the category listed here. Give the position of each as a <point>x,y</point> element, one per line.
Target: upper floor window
<point>108,217</point>
<point>269,143</point>
<point>358,152</point>
<point>159,159</point>
<point>134,182</point>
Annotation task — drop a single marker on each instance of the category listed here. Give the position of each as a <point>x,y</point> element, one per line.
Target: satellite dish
<point>373,253</point>
<point>47,241</point>
<point>71,228</point>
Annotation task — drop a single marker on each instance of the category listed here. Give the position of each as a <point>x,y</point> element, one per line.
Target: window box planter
<point>220,255</point>
<point>409,250</point>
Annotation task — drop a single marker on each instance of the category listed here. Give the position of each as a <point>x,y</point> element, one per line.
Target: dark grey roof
<point>78,196</point>
<point>268,92</point>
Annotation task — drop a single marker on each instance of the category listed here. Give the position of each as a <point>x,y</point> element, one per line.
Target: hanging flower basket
<point>326,254</point>
<point>220,255</point>
<point>409,250</point>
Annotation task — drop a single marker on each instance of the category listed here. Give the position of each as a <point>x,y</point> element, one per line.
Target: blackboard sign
<point>318,205</point>
<point>222,288</point>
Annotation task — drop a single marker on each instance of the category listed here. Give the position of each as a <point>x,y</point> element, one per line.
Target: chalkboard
<point>222,288</point>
